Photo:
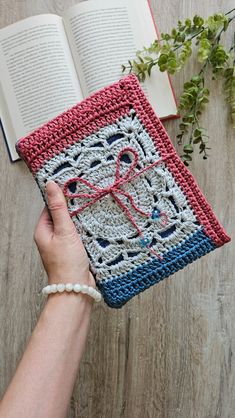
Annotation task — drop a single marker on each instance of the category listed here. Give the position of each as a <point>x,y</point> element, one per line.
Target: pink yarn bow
<point>114,190</point>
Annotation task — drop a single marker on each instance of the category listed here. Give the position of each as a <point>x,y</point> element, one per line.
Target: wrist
<point>73,308</point>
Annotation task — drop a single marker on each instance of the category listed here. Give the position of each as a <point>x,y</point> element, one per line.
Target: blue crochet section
<point>116,292</point>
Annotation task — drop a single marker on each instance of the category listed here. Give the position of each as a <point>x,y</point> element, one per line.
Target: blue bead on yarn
<point>144,242</point>
<point>155,214</point>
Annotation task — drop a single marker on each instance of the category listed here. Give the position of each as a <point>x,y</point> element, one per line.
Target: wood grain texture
<point>169,353</point>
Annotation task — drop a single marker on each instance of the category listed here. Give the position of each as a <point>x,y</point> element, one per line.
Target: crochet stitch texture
<point>139,210</point>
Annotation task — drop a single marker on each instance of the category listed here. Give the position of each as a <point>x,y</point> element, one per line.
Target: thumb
<point>58,209</point>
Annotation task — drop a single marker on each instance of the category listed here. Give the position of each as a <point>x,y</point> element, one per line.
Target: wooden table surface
<point>169,353</point>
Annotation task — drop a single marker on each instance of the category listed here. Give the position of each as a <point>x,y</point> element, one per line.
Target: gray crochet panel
<point>109,237</point>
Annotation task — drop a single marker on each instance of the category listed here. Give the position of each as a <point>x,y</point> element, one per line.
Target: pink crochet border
<point>103,108</point>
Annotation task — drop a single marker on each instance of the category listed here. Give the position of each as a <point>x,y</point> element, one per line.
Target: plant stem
<point>230,11</point>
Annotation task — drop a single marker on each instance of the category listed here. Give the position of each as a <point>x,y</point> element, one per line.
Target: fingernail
<point>51,186</point>
<point>49,182</point>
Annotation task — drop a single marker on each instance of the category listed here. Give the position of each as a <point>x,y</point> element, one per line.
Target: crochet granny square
<point>140,212</point>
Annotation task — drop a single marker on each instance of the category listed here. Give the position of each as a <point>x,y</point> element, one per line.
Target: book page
<point>103,35</point>
<point>38,77</point>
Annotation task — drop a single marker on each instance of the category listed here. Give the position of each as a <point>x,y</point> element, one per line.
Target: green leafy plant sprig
<point>171,53</point>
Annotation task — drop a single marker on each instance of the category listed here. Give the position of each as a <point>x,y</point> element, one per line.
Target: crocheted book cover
<point>139,210</point>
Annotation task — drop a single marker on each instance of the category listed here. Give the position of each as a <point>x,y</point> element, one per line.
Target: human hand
<point>60,246</point>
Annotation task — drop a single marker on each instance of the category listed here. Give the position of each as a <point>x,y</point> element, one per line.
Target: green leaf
<point>188,23</point>
<point>140,58</point>
<point>188,148</point>
<point>182,125</point>
<point>165,36</point>
<point>203,100</point>
<point>163,68</point>
<point>197,79</point>
<point>187,157</point>
<point>198,21</point>
<point>197,132</point>
<point>197,140</point>
<point>216,21</point>
<point>204,49</point>
<point>206,92</point>
<point>148,58</point>
<point>162,59</point>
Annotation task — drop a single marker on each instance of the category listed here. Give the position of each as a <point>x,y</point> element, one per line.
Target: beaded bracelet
<point>69,287</point>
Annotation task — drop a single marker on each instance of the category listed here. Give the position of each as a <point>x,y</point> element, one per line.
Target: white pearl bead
<point>48,289</point>
<point>92,292</point>
<point>69,287</point>
<point>77,288</point>
<point>97,296</point>
<point>94,295</point>
<point>84,288</point>
<point>61,287</point>
<point>53,288</point>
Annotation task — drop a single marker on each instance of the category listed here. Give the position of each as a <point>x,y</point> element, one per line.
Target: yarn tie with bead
<point>114,190</point>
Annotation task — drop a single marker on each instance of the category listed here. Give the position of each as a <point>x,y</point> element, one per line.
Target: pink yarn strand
<point>114,190</point>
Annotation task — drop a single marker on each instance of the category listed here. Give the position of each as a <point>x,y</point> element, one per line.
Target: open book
<point>49,63</point>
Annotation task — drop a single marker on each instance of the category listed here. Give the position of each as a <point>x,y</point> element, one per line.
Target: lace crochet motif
<point>159,209</point>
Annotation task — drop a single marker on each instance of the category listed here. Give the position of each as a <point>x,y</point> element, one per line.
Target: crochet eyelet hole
<point>135,235</point>
<point>76,156</point>
<point>97,144</point>
<point>95,163</point>
<point>110,158</point>
<point>116,260</point>
<point>125,158</point>
<point>72,187</point>
<point>171,198</point>
<point>141,146</point>
<point>153,242</point>
<point>119,241</point>
<point>61,167</point>
<point>114,138</point>
<point>167,231</point>
<point>103,242</point>
<point>148,181</point>
<point>132,253</point>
